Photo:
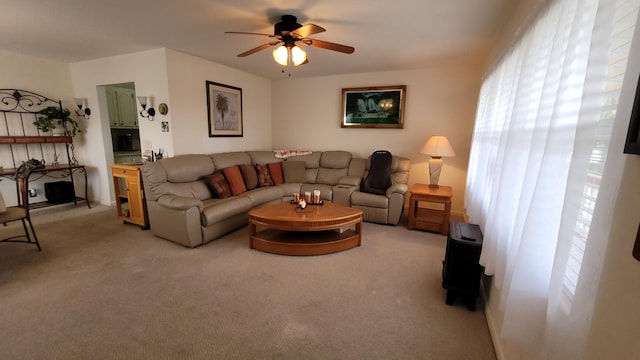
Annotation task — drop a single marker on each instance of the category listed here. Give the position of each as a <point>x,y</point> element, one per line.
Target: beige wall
<point>187,76</point>
<point>178,80</point>
<point>148,70</point>
<point>48,78</point>
<point>441,100</point>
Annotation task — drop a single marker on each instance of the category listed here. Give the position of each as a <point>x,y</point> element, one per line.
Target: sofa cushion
<point>294,171</point>
<point>219,185</point>
<point>220,210</point>
<point>234,178</point>
<point>275,170</point>
<point>311,164</point>
<point>335,159</point>
<point>263,195</point>
<point>264,177</point>
<point>359,198</point>
<point>249,176</point>
<point>262,157</point>
<point>226,159</point>
<point>200,190</point>
<point>186,167</point>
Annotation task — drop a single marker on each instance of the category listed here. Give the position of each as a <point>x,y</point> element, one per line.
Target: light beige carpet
<point>101,289</point>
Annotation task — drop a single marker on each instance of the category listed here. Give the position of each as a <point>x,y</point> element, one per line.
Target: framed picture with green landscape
<point>224,105</point>
<point>374,107</point>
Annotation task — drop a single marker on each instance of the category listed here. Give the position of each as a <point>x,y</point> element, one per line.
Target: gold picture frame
<point>374,107</point>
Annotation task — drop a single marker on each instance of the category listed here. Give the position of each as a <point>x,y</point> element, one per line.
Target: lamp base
<point>435,167</point>
<point>434,186</point>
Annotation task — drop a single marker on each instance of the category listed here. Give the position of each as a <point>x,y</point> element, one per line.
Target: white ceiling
<point>387,35</point>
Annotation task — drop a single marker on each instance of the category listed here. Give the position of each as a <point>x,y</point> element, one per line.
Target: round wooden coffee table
<point>318,229</point>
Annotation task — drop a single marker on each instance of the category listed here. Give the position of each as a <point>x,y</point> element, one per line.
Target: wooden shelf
<point>35,139</point>
<point>48,168</point>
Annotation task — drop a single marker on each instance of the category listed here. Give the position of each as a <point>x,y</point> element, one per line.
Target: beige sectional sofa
<point>183,208</point>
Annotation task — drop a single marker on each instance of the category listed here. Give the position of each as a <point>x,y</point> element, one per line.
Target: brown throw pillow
<point>234,178</point>
<point>219,185</point>
<point>264,177</point>
<point>294,171</point>
<point>275,169</point>
<point>249,175</point>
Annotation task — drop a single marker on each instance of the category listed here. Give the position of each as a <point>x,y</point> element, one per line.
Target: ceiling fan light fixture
<point>281,55</point>
<point>298,56</point>
<point>284,54</point>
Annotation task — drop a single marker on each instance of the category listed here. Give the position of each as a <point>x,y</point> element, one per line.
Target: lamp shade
<point>438,146</point>
<point>142,100</point>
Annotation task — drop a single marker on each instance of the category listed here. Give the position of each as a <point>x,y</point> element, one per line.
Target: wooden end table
<point>316,230</point>
<point>430,219</point>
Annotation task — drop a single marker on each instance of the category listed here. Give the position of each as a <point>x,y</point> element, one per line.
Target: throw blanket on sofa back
<point>193,199</point>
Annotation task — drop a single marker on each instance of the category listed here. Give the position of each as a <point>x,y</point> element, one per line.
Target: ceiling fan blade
<point>247,33</point>
<point>256,49</point>
<point>329,46</point>
<point>306,30</point>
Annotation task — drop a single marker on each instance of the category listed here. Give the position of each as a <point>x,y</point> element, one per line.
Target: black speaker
<point>59,192</point>
<point>461,270</point>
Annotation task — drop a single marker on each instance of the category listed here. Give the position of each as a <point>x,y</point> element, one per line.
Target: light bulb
<point>280,55</point>
<point>298,56</point>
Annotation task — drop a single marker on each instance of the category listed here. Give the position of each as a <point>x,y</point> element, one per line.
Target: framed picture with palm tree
<point>224,105</point>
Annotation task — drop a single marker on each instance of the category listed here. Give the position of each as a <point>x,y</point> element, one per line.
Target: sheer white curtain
<point>541,133</point>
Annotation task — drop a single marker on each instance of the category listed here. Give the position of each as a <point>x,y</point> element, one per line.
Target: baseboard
<point>458,216</point>
<point>493,330</point>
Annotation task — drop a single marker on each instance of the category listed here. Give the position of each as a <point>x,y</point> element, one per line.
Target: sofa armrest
<point>180,202</point>
<point>350,180</point>
<point>397,188</point>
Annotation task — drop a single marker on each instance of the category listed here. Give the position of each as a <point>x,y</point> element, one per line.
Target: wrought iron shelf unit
<point>21,141</point>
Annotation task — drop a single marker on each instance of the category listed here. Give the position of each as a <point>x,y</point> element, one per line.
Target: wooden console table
<point>130,202</point>
<point>430,219</point>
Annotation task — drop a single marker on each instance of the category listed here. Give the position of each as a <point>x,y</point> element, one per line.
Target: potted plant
<point>53,117</point>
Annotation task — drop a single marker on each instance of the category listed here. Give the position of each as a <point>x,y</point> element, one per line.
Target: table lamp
<point>438,147</point>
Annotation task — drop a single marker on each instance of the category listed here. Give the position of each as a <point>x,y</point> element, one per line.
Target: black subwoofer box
<point>59,192</point>
<point>461,270</point>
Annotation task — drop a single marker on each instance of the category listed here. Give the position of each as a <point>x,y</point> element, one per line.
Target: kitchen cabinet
<point>121,103</point>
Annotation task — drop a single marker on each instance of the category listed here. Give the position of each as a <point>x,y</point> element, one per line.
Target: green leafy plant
<point>53,117</point>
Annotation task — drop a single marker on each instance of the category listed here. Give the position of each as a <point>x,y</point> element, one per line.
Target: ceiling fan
<point>288,32</point>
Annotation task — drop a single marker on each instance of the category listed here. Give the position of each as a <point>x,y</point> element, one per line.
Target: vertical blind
<point>543,123</point>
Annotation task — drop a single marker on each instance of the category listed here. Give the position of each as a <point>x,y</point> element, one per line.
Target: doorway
<point>123,122</point>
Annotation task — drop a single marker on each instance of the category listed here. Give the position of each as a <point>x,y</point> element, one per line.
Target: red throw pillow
<point>234,178</point>
<point>219,185</point>
<point>264,177</point>
<point>275,169</point>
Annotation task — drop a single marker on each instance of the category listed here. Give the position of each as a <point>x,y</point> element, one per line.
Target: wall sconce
<point>146,113</point>
<point>438,147</point>
<point>86,112</point>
